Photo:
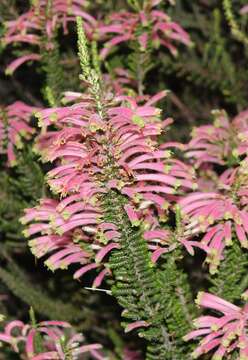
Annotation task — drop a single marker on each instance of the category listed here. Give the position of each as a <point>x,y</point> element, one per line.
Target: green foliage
<point>235,28</point>
<point>90,73</point>
<point>176,297</point>
<point>21,286</point>
<point>20,186</point>
<point>214,68</point>
<point>136,287</point>
<point>55,82</point>
<point>160,298</point>
<point>231,280</point>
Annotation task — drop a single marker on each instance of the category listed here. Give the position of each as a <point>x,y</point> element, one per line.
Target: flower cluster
<point>219,209</point>
<point>14,127</point>
<point>56,339</point>
<point>222,143</point>
<point>146,26</point>
<point>39,24</point>
<point>225,333</point>
<point>94,156</point>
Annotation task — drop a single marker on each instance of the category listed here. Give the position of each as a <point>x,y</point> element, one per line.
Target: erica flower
<point>42,20</point>
<point>154,26</point>
<point>222,334</point>
<point>221,143</point>
<point>93,157</point>
<point>219,214</point>
<point>14,128</point>
<point>57,338</point>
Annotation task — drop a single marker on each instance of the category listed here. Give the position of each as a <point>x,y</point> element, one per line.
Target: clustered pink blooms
<point>221,212</point>
<point>14,127</point>
<point>225,333</point>
<point>42,21</point>
<point>220,143</point>
<point>157,28</point>
<point>93,156</point>
<point>58,341</point>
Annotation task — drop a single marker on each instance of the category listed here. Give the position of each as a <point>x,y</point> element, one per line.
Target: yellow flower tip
<point>210,220</point>
<point>53,117</point>
<point>225,343</point>
<point>38,114</point>
<point>167,154</point>
<point>135,223</point>
<point>244,296</point>
<point>63,266</point>
<point>13,163</point>
<point>194,186</point>
<point>66,215</point>
<point>228,241</point>
<point>201,218</point>
<point>217,357</point>
<point>165,205</point>
<point>8,72</point>
<point>25,233</point>
<point>137,120</point>
<point>49,265</point>
<point>178,183</point>
<point>185,338</point>
<point>158,111</point>
<point>244,244</point>
<point>195,354</point>
<point>23,221</point>
<point>227,215</point>
<point>151,264</point>
<point>30,355</point>
<point>214,327</point>
<point>59,231</point>
<point>146,225</point>
<point>120,184</point>
<point>199,298</point>
<point>213,270</point>
<point>235,153</point>
<point>32,242</point>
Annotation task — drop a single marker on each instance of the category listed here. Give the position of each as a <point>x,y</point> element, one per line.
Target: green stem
<point>138,286</point>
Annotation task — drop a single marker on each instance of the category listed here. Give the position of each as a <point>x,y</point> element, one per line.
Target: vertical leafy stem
<point>136,287</point>
<point>144,291</point>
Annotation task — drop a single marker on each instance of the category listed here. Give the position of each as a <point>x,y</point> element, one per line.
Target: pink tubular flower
<point>225,333</point>
<point>217,214</point>
<point>42,20</point>
<point>93,157</point>
<point>58,341</point>
<point>14,127</point>
<point>156,27</point>
<point>219,210</point>
<point>221,143</point>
